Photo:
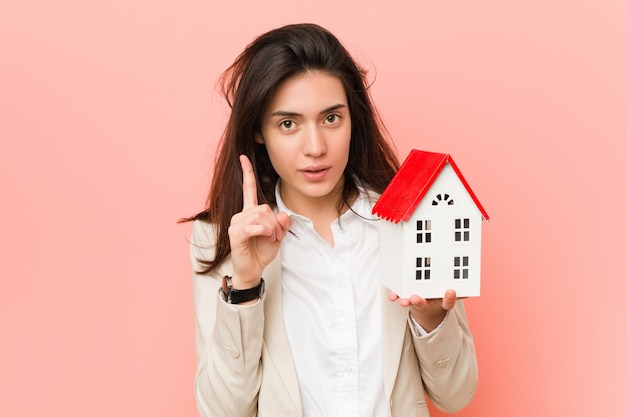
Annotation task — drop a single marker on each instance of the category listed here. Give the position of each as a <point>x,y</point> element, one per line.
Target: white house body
<point>436,245</point>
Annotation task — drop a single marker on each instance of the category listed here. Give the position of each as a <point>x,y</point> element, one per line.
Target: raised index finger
<point>249,183</point>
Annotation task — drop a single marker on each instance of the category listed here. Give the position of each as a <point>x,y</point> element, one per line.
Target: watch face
<point>226,288</point>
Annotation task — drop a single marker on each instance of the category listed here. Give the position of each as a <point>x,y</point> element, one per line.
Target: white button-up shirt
<point>331,301</point>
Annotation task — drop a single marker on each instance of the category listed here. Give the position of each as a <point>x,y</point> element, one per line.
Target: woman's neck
<point>322,211</point>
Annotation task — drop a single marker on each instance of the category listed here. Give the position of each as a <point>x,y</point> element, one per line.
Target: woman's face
<point>306,129</point>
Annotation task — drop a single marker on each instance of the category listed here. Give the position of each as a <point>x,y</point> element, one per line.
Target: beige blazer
<point>245,367</point>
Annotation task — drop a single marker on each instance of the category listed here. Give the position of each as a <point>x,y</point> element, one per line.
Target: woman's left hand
<point>429,313</point>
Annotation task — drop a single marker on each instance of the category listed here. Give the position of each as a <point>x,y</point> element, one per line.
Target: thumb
<point>285,222</point>
<point>449,300</point>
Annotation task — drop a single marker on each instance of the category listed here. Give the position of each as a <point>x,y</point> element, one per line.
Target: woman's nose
<point>314,142</point>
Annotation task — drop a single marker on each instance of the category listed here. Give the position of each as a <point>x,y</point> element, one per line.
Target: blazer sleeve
<point>447,359</point>
<point>229,339</point>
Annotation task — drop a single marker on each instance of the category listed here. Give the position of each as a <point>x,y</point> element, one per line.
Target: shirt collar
<point>361,208</point>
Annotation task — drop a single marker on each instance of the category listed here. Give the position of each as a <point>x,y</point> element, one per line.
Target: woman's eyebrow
<point>335,107</point>
<point>284,113</point>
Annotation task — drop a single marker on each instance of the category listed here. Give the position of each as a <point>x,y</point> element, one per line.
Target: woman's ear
<point>258,138</point>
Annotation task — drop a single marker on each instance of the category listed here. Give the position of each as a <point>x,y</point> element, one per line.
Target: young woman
<point>291,318</point>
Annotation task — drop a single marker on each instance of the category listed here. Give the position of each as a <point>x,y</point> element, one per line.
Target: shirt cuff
<point>419,330</point>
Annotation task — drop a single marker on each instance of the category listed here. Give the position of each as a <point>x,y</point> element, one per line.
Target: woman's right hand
<point>255,233</point>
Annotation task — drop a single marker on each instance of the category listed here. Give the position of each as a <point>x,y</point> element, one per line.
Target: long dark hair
<point>248,86</point>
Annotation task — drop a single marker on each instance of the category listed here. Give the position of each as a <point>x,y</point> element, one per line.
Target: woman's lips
<point>315,173</point>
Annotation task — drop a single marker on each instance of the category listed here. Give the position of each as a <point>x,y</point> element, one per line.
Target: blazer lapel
<point>275,335</point>
<point>394,319</point>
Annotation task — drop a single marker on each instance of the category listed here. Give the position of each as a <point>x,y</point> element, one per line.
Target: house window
<point>441,199</point>
<point>422,268</point>
<point>461,267</point>
<point>424,235</point>
<point>461,230</point>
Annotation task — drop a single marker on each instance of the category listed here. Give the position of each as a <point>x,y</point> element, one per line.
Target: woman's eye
<point>287,124</point>
<point>332,118</point>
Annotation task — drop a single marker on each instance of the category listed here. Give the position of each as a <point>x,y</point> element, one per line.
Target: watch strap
<point>234,296</point>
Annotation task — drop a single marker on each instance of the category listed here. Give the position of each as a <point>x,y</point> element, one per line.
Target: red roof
<point>411,183</point>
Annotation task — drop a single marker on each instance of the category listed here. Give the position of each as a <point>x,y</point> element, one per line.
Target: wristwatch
<point>233,296</point>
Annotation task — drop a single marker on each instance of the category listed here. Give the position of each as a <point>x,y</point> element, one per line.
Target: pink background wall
<point>108,123</point>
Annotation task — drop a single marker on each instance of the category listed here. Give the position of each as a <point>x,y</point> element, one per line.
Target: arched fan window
<point>443,199</point>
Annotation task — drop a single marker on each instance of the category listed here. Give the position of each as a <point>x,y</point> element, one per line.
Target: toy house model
<point>431,229</point>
